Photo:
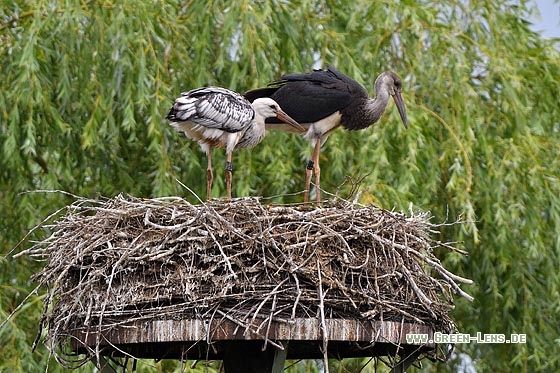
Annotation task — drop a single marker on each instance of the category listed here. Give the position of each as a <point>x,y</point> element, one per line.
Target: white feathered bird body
<point>218,117</point>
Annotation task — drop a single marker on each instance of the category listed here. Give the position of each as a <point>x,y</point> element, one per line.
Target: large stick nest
<point>107,259</point>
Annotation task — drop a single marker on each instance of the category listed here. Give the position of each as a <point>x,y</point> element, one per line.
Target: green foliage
<point>86,86</point>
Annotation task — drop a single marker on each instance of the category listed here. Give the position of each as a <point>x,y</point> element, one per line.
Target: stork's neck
<point>365,112</point>
<point>375,108</point>
<point>253,134</point>
<point>258,123</point>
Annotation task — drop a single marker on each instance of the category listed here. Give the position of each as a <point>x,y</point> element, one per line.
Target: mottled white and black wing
<point>213,107</point>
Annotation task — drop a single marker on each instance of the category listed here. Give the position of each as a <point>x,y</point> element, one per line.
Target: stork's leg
<point>209,177</point>
<point>308,173</point>
<point>229,168</point>
<point>317,169</point>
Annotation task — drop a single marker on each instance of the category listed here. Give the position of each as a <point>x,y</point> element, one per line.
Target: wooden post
<point>249,357</point>
<point>406,362</point>
<point>279,359</point>
<point>102,364</point>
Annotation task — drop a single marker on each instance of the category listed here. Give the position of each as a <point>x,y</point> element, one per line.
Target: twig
<point>324,331</point>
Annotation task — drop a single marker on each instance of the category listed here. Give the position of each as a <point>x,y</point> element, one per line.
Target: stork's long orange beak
<point>400,106</point>
<point>280,114</point>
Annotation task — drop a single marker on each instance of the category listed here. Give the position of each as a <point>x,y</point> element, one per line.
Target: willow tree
<point>86,86</point>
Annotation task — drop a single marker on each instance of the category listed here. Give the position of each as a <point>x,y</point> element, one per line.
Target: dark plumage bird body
<point>219,118</point>
<point>320,93</point>
<point>323,100</point>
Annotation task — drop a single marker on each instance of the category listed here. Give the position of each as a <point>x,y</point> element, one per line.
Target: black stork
<point>218,117</point>
<point>322,100</point>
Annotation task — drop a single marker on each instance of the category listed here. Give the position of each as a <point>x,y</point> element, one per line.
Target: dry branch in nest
<point>113,261</point>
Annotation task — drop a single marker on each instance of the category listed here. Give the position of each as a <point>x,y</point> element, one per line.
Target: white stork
<point>218,117</point>
<point>323,100</point>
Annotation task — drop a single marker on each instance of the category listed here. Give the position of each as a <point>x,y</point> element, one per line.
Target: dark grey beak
<point>400,106</point>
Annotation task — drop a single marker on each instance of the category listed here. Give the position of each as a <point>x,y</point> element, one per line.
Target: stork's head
<point>392,83</point>
<point>268,108</point>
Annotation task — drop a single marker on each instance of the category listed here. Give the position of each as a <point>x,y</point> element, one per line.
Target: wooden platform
<point>301,338</point>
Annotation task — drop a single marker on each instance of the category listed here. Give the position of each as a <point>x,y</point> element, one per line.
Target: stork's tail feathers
<point>183,108</point>
<point>172,113</point>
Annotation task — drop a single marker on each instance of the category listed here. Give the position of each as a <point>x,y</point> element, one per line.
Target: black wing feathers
<point>309,97</point>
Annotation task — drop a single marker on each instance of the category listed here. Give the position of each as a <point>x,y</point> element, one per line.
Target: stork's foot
<point>317,172</point>
<point>308,173</point>
<point>209,179</point>
<point>229,168</point>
